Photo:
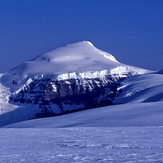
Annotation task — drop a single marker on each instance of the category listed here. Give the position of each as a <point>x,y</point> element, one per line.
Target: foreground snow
<point>113,145</point>
<point>62,139</point>
<point>140,114</point>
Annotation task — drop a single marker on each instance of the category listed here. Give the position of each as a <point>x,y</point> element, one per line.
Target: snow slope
<point>141,88</point>
<point>138,114</point>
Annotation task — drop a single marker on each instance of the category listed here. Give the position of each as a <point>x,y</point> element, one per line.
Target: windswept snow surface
<point>69,138</point>
<point>84,145</point>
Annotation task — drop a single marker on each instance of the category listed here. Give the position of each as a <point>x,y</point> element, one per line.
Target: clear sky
<point>131,30</point>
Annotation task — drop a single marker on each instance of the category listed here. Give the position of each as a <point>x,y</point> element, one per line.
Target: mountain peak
<point>83,43</point>
<point>88,42</point>
<point>80,44</point>
<point>83,50</point>
<point>77,57</point>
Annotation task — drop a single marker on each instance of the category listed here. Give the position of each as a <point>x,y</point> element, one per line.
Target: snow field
<point>138,114</point>
<point>120,144</point>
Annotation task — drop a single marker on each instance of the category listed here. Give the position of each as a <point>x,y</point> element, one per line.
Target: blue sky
<point>131,30</point>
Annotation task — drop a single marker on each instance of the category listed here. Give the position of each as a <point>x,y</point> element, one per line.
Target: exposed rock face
<point>64,88</point>
<point>62,96</point>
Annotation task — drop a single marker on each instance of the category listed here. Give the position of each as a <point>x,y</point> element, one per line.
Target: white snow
<point>141,88</point>
<point>71,145</point>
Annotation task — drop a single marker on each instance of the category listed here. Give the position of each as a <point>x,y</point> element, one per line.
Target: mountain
<point>75,77</point>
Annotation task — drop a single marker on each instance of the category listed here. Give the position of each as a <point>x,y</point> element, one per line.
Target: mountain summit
<point>81,53</point>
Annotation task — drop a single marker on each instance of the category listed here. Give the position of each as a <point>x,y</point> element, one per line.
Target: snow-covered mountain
<point>75,77</point>
<point>79,60</point>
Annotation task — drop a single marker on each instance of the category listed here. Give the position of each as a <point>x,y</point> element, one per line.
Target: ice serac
<point>75,77</point>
